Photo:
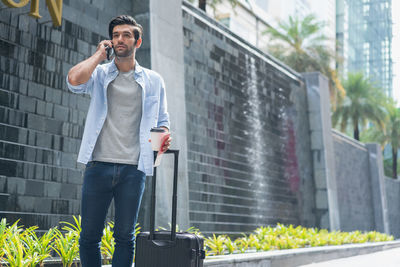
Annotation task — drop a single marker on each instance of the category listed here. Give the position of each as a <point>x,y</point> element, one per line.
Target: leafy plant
<point>66,246</point>
<point>242,243</point>
<point>3,236</point>
<point>73,227</point>
<point>253,242</point>
<point>14,251</point>
<point>108,242</point>
<point>18,247</point>
<point>39,247</point>
<point>262,232</point>
<point>33,247</point>
<point>230,245</point>
<point>215,244</point>
<point>194,230</point>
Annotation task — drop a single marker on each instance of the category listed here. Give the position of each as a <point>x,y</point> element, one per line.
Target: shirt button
<point>97,132</point>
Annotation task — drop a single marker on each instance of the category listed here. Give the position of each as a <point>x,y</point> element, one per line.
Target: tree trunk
<point>202,5</point>
<point>394,159</point>
<point>356,132</point>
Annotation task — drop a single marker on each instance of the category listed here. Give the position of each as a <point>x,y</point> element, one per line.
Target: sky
<point>396,50</point>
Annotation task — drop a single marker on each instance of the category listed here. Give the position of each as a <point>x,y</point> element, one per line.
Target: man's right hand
<point>81,72</point>
<point>101,49</point>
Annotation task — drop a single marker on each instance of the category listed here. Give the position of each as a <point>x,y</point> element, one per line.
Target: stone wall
<point>367,199</point>
<point>247,132</point>
<point>393,203</point>
<point>251,133</point>
<point>41,122</point>
<point>248,143</point>
<point>354,184</point>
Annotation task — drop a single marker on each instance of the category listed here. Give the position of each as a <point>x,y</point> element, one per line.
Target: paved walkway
<point>387,258</point>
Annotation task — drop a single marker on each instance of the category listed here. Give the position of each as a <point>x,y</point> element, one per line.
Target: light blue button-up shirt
<point>154,109</point>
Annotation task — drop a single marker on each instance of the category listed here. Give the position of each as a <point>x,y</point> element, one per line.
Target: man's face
<point>123,40</point>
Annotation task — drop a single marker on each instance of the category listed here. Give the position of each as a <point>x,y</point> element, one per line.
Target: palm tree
<point>362,103</point>
<point>389,134</point>
<point>393,132</point>
<point>300,44</point>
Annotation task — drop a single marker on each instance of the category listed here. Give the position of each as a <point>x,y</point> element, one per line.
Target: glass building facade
<point>342,37</point>
<point>367,45</point>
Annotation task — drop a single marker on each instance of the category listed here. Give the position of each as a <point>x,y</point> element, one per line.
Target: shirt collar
<point>138,68</point>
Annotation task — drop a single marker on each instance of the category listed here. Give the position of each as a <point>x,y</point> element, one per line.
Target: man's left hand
<point>167,143</point>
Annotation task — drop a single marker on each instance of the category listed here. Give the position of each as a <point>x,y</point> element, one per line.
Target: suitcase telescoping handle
<point>174,197</point>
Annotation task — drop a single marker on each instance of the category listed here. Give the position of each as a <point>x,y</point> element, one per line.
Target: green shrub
<point>288,237</point>
<point>23,248</point>
<point>108,243</point>
<point>67,247</point>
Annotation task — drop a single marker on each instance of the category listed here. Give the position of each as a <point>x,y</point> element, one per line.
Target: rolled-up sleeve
<point>84,88</point>
<point>163,116</point>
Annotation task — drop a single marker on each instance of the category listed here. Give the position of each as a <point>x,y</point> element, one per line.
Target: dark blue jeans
<point>102,182</point>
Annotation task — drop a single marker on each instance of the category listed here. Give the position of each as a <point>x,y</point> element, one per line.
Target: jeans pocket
<point>91,164</point>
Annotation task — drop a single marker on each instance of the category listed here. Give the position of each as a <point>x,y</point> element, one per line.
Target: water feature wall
<point>257,149</point>
<point>247,128</point>
<point>247,132</point>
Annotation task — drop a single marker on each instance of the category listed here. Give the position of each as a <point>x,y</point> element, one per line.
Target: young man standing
<point>127,100</point>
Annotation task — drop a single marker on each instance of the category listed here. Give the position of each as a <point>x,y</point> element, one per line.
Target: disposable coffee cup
<point>156,135</point>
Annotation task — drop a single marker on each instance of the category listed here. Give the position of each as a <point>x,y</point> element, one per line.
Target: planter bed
<point>296,257</point>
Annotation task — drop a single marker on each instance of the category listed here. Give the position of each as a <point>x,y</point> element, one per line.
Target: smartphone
<point>110,52</point>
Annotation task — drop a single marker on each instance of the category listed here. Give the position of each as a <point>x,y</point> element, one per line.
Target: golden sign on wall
<point>54,7</point>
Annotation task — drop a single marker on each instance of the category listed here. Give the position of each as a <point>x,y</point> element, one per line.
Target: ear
<point>138,42</point>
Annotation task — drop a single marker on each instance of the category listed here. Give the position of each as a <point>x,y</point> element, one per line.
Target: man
<point>127,100</point>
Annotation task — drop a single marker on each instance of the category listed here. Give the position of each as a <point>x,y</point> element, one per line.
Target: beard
<point>125,53</point>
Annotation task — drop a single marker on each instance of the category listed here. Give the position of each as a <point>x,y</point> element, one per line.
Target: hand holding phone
<point>110,52</point>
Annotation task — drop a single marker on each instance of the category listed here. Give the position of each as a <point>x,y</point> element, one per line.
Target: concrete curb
<point>297,257</point>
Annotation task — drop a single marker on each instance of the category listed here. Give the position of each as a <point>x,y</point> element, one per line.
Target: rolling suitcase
<point>168,248</point>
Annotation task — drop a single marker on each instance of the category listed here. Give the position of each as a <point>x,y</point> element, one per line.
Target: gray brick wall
<point>393,203</point>
<point>41,122</point>
<point>353,184</point>
<point>247,132</point>
<point>249,159</point>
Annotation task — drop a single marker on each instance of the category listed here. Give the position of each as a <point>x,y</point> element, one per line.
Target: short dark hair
<point>126,19</point>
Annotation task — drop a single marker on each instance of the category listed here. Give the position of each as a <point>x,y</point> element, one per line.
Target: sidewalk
<point>387,258</point>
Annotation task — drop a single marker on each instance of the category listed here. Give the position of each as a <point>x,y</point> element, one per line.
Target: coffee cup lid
<point>157,130</point>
